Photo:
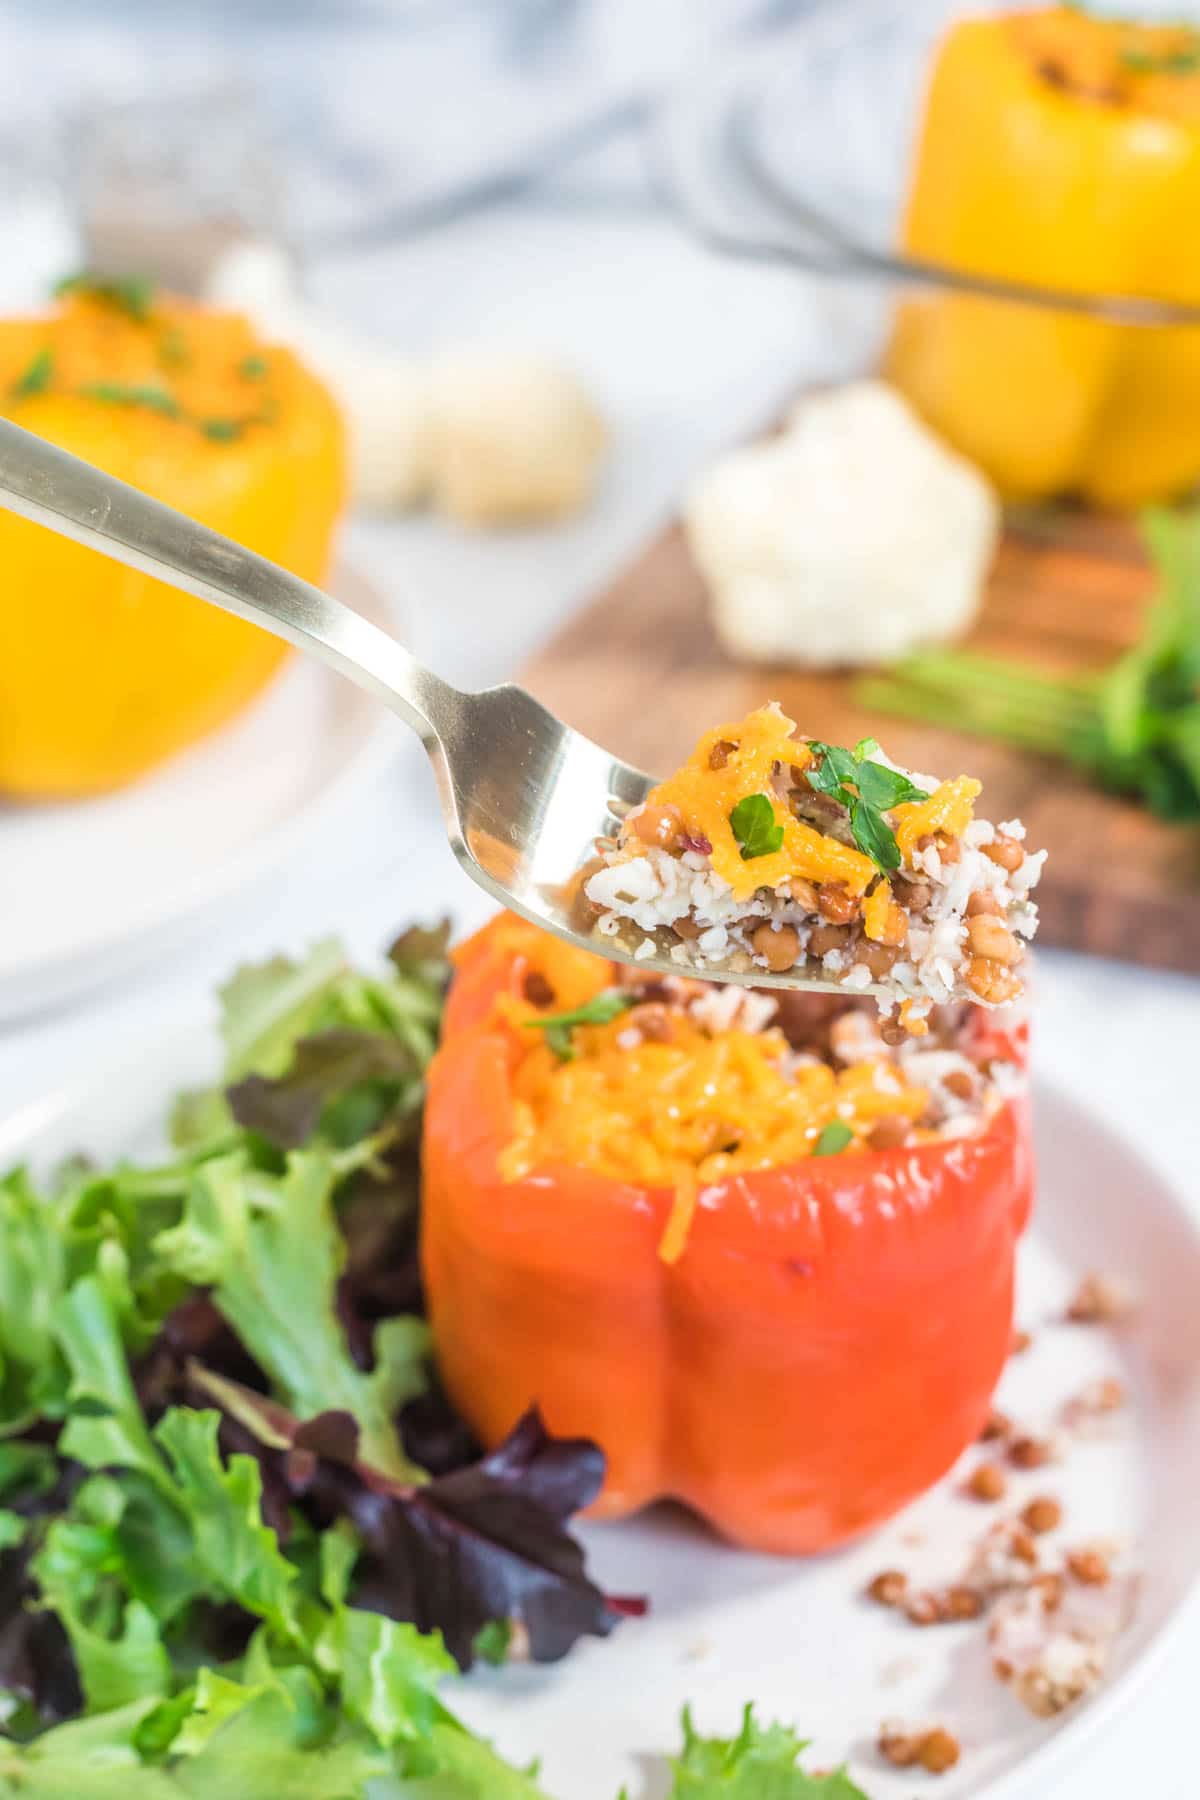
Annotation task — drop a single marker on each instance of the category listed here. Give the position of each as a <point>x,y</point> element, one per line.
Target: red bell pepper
<point>822,1351</point>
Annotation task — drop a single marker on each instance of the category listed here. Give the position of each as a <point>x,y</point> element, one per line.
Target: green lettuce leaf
<point>761,1763</point>
<point>314,1048</point>
<point>270,1249</point>
<point>238,1555</point>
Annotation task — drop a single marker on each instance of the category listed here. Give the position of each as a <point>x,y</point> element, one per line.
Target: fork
<point>523,795</point>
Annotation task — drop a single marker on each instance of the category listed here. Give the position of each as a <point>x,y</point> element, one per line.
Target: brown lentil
<point>893,1033</point>
<point>987,1483</point>
<point>889,1587</point>
<point>996,1425</point>
<point>1044,1513</point>
<point>1023,1548</point>
<point>890,1133</point>
<point>923,1609</point>
<point>879,958</point>
<point>991,980</point>
<point>939,1751</point>
<point>962,1603</point>
<point>827,937</point>
<point>982,901</point>
<point>836,903</point>
<point>537,989</point>
<point>654,1021</point>
<point>1088,1566</point>
<point>779,949</point>
<point>913,894</point>
<point>659,826</point>
<point>900,1748</point>
<point>991,938</point>
<point>720,754</point>
<point>960,1084</point>
<point>1030,1452</point>
<point>934,1751</point>
<point>1008,852</point>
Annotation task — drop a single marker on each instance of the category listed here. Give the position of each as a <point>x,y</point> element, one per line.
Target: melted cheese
<point>950,809</point>
<point>705,797</point>
<point>688,1112</point>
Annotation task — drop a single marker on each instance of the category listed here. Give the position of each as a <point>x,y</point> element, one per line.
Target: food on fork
<point>731,1235</point>
<point>776,852</point>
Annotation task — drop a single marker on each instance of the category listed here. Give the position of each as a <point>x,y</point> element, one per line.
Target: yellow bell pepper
<point>1061,149</point>
<point>104,672</point>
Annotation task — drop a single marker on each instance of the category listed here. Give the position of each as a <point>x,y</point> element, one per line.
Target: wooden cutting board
<point>641,670</point>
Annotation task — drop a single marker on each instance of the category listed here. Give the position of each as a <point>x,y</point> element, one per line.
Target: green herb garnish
<point>222,431</point>
<point>755,827</point>
<point>125,393</point>
<point>253,368</point>
<point>492,1642</point>
<point>36,376</point>
<point>131,294</point>
<point>867,790</point>
<point>599,1011</point>
<point>173,352</point>
<point>1134,730</point>
<point>833,1138</point>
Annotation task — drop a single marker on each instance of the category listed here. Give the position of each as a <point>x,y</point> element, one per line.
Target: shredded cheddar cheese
<point>688,1111</point>
<point>705,797</point>
<point>883,921</point>
<point>949,809</point>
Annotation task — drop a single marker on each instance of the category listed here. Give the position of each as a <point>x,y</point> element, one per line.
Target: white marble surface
<point>686,353</point>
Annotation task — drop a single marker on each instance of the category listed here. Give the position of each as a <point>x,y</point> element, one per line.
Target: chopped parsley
<point>36,376</point>
<point>222,431</point>
<point>492,1642</point>
<point>833,1138</point>
<point>867,790</point>
<point>126,393</point>
<point>599,1011</point>
<point>253,368</point>
<point>755,827</point>
<point>131,294</point>
<point>173,352</point>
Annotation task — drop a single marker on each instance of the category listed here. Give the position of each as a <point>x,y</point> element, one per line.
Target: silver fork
<point>524,796</point>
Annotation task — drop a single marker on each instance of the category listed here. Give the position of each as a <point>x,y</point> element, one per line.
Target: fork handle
<point>67,495</point>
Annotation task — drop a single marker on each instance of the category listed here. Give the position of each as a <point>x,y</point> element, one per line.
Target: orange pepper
<point>1062,149</point>
<point>104,672</point>
<point>822,1350</point>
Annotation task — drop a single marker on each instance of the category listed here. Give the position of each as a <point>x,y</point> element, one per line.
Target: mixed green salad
<point>244,1541</point>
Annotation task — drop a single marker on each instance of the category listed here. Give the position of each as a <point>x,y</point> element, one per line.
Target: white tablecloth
<point>687,353</point>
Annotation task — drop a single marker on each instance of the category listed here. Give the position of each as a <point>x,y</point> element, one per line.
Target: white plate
<point>796,1637</point>
<point>91,888</point>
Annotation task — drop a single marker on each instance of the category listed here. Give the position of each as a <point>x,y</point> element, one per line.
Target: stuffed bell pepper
<point>763,1257</point>
<point>1062,149</point>
<point>103,671</point>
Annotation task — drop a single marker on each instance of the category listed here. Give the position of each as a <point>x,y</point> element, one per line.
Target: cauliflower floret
<point>512,439</point>
<point>853,537</point>
<point>489,437</point>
